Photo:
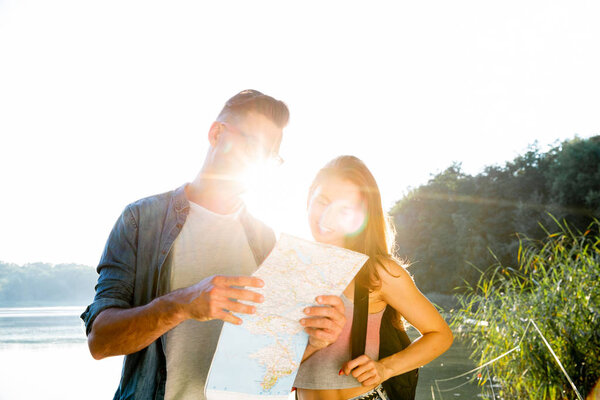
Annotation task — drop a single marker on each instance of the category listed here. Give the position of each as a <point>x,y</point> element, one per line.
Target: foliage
<point>557,285</point>
<point>41,284</point>
<point>456,219</point>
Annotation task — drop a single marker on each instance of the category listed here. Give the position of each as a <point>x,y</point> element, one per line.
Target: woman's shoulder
<point>395,279</point>
<point>390,269</point>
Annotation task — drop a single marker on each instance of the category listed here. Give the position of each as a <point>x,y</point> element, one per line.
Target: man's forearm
<point>124,331</point>
<point>119,331</point>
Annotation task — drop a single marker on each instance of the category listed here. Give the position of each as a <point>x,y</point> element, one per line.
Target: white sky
<point>102,103</point>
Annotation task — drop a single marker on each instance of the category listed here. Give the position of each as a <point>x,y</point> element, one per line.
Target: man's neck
<point>214,194</point>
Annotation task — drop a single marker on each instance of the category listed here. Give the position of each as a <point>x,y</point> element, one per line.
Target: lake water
<point>44,354</point>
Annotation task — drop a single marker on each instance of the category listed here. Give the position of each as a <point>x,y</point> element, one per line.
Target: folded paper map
<point>259,359</point>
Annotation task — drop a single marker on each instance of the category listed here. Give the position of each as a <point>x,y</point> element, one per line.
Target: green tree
<point>457,220</point>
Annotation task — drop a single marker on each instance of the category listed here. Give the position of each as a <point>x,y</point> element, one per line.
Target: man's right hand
<point>217,297</point>
<point>124,331</point>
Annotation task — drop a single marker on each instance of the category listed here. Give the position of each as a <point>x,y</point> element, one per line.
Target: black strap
<point>358,335</point>
<point>391,341</point>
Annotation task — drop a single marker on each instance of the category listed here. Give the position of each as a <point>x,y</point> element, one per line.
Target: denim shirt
<point>135,268</point>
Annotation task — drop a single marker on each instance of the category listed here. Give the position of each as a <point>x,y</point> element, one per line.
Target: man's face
<point>244,143</point>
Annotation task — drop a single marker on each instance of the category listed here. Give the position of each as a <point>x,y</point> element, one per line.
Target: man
<point>176,264</point>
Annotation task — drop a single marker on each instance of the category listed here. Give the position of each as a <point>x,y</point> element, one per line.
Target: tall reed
<point>556,284</point>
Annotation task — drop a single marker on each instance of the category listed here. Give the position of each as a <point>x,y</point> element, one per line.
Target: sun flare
<point>274,198</point>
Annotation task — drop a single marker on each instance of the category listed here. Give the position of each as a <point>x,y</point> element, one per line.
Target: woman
<point>344,209</point>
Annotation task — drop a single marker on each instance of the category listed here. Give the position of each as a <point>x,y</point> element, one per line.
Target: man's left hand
<point>324,323</point>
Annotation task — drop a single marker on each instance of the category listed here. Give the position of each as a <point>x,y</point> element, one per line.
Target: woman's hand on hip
<point>367,371</point>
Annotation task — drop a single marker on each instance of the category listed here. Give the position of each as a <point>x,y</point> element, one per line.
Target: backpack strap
<point>360,315</point>
<point>391,341</point>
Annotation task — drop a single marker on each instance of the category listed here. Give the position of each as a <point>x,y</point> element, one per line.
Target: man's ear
<point>214,132</point>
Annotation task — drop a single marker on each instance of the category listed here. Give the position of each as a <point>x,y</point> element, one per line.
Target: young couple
<point>176,264</point>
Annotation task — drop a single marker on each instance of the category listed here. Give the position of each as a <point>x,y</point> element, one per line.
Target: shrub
<point>557,285</point>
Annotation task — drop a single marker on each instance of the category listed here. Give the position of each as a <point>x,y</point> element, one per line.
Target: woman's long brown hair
<point>376,236</point>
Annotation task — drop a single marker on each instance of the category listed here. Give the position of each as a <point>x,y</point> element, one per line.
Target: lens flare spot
<point>344,218</point>
<point>227,147</point>
<point>361,227</point>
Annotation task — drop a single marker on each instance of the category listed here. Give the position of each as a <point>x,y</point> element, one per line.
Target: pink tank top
<point>320,371</point>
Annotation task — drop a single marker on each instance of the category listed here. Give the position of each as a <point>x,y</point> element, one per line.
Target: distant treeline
<point>42,284</point>
<point>456,221</point>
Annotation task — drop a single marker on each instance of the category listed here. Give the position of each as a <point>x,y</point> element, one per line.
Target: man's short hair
<point>249,101</point>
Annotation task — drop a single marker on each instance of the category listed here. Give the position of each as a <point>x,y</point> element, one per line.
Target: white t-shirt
<point>208,244</point>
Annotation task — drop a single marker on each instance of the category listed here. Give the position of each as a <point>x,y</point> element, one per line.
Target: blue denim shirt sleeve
<point>116,269</point>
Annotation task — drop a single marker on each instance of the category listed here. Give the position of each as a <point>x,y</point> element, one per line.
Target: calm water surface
<point>44,354</point>
<point>41,326</point>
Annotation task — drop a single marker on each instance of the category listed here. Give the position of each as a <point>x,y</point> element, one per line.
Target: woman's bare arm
<point>399,291</point>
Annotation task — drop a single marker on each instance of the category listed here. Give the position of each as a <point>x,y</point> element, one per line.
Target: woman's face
<point>335,209</point>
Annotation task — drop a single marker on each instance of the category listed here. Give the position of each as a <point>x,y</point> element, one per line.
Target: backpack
<point>391,341</point>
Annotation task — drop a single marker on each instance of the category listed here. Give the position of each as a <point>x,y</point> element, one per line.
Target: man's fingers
<point>324,311</point>
<point>332,307</point>
<point>241,308</point>
<point>334,301</point>
<point>242,294</point>
<point>211,297</point>
<point>238,281</point>
<point>317,333</point>
<point>323,323</point>
<point>228,317</point>
<point>223,309</point>
<point>330,312</point>
<point>323,335</point>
